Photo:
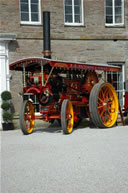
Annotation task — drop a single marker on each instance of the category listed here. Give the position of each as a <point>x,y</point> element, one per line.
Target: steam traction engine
<point>65,91</point>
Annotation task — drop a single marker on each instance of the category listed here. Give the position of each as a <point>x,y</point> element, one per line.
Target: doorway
<point>4,71</point>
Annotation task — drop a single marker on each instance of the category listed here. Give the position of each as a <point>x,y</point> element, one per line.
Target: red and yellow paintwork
<point>77,89</point>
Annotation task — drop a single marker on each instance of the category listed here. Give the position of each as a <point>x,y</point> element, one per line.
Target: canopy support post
<point>24,76</point>
<point>42,74</point>
<point>105,76</point>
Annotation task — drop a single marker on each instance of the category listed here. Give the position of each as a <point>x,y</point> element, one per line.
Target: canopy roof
<point>32,64</point>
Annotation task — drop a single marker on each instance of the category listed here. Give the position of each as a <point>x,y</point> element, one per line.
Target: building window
<point>30,12</point>
<point>114,12</point>
<point>73,10</point>
<point>117,79</point>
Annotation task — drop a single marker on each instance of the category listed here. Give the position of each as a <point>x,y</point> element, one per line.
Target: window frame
<point>113,15</point>
<point>82,15</point>
<point>122,65</point>
<point>30,22</point>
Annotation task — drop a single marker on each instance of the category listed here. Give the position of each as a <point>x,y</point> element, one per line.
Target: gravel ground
<point>89,160</point>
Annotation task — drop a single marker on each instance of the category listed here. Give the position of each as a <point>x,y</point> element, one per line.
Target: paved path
<point>87,161</point>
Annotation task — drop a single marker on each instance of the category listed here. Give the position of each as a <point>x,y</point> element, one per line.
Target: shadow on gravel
<point>126,121</point>
<point>50,128</point>
<point>56,128</point>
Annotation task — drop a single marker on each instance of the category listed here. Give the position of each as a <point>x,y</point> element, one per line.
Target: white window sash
<point>113,14</point>
<point>73,12</point>
<point>113,8</point>
<point>29,10</point>
<point>30,22</point>
<point>73,23</point>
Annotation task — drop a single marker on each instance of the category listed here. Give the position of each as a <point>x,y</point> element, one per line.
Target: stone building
<point>94,31</point>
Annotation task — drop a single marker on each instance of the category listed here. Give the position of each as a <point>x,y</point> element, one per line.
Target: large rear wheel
<point>103,105</point>
<point>67,117</point>
<point>27,118</point>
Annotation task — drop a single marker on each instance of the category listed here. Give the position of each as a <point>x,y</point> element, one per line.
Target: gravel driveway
<point>86,161</point>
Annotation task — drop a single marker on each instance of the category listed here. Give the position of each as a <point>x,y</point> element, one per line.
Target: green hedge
<point>6,106</point>
<point>7,116</point>
<point>6,95</point>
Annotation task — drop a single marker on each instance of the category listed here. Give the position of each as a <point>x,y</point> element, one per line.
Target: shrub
<point>6,106</point>
<point>7,116</point>
<point>6,95</point>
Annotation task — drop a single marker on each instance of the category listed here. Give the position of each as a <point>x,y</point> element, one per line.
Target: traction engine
<point>66,92</point>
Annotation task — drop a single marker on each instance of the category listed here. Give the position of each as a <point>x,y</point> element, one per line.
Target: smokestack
<point>46,33</point>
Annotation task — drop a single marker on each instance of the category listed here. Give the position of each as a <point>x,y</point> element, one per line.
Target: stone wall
<point>94,22</point>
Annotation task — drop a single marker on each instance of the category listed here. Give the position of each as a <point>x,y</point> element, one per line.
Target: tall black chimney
<point>46,34</point>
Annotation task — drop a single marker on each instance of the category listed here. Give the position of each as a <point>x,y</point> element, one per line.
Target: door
<point>4,70</point>
<point>117,79</point>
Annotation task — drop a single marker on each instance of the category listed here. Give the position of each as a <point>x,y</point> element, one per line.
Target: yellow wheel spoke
<point>106,90</point>
<point>109,102</point>
<point>99,107</point>
<point>102,112</point>
<point>100,99</point>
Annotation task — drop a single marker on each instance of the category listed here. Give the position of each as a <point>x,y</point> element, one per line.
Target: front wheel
<point>27,118</point>
<point>67,116</point>
<point>103,105</point>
